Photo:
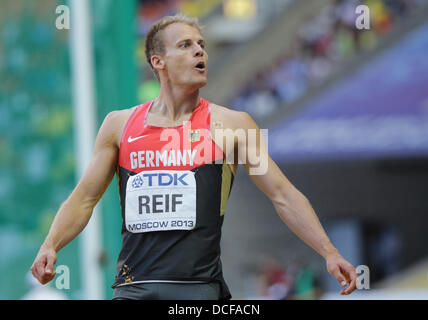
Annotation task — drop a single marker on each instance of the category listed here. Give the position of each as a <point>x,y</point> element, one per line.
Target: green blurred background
<point>37,155</point>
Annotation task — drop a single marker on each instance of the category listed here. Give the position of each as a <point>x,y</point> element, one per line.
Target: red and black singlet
<point>174,184</point>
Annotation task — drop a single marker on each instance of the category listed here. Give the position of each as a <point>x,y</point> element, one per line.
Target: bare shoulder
<point>116,117</point>
<point>114,123</point>
<point>229,118</point>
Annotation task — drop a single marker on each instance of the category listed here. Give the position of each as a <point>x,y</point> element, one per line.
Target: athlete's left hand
<point>343,271</point>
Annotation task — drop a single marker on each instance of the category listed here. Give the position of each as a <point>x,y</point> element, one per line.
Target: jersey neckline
<point>170,127</point>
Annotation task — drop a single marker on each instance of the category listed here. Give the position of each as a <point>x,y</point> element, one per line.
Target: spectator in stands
<point>322,44</point>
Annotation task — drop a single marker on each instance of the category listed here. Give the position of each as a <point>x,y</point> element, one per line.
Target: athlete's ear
<point>157,62</point>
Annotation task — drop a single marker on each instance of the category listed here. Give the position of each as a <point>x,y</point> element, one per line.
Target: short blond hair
<point>154,40</point>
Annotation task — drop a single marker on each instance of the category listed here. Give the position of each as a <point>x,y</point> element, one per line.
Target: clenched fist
<point>43,266</point>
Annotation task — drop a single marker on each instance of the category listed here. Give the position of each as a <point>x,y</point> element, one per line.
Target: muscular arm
<point>74,214</point>
<point>291,205</point>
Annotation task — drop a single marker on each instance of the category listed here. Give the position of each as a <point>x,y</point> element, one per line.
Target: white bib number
<point>160,200</point>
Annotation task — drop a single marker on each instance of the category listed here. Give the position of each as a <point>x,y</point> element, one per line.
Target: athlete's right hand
<point>43,266</point>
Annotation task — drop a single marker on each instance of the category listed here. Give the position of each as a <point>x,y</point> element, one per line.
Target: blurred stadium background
<point>346,109</point>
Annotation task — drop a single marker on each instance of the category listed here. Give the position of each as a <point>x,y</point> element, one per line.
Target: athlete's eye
<point>184,45</point>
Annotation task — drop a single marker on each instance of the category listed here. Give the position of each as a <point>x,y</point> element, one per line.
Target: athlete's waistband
<point>159,281</point>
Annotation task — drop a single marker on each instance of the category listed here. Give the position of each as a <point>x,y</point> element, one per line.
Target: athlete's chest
<point>178,148</point>
<point>145,145</point>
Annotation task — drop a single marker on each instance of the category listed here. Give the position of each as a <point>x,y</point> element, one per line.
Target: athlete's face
<point>185,58</point>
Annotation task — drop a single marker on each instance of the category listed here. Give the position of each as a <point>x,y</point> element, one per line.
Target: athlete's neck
<point>175,103</point>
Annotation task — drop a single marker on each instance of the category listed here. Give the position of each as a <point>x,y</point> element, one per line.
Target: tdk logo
<point>159,179</point>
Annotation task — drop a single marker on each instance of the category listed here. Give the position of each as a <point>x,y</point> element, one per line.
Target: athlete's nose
<point>199,51</point>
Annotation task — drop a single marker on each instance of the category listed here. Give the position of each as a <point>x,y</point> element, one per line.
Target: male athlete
<point>175,174</point>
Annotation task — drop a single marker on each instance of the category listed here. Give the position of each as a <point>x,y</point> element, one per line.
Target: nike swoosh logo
<point>130,139</point>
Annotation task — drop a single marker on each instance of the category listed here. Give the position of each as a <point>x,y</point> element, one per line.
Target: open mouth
<point>200,66</point>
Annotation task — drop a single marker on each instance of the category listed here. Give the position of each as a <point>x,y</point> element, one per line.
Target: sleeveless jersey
<point>174,184</point>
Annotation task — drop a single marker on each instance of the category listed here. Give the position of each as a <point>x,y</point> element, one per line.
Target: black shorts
<point>168,291</point>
